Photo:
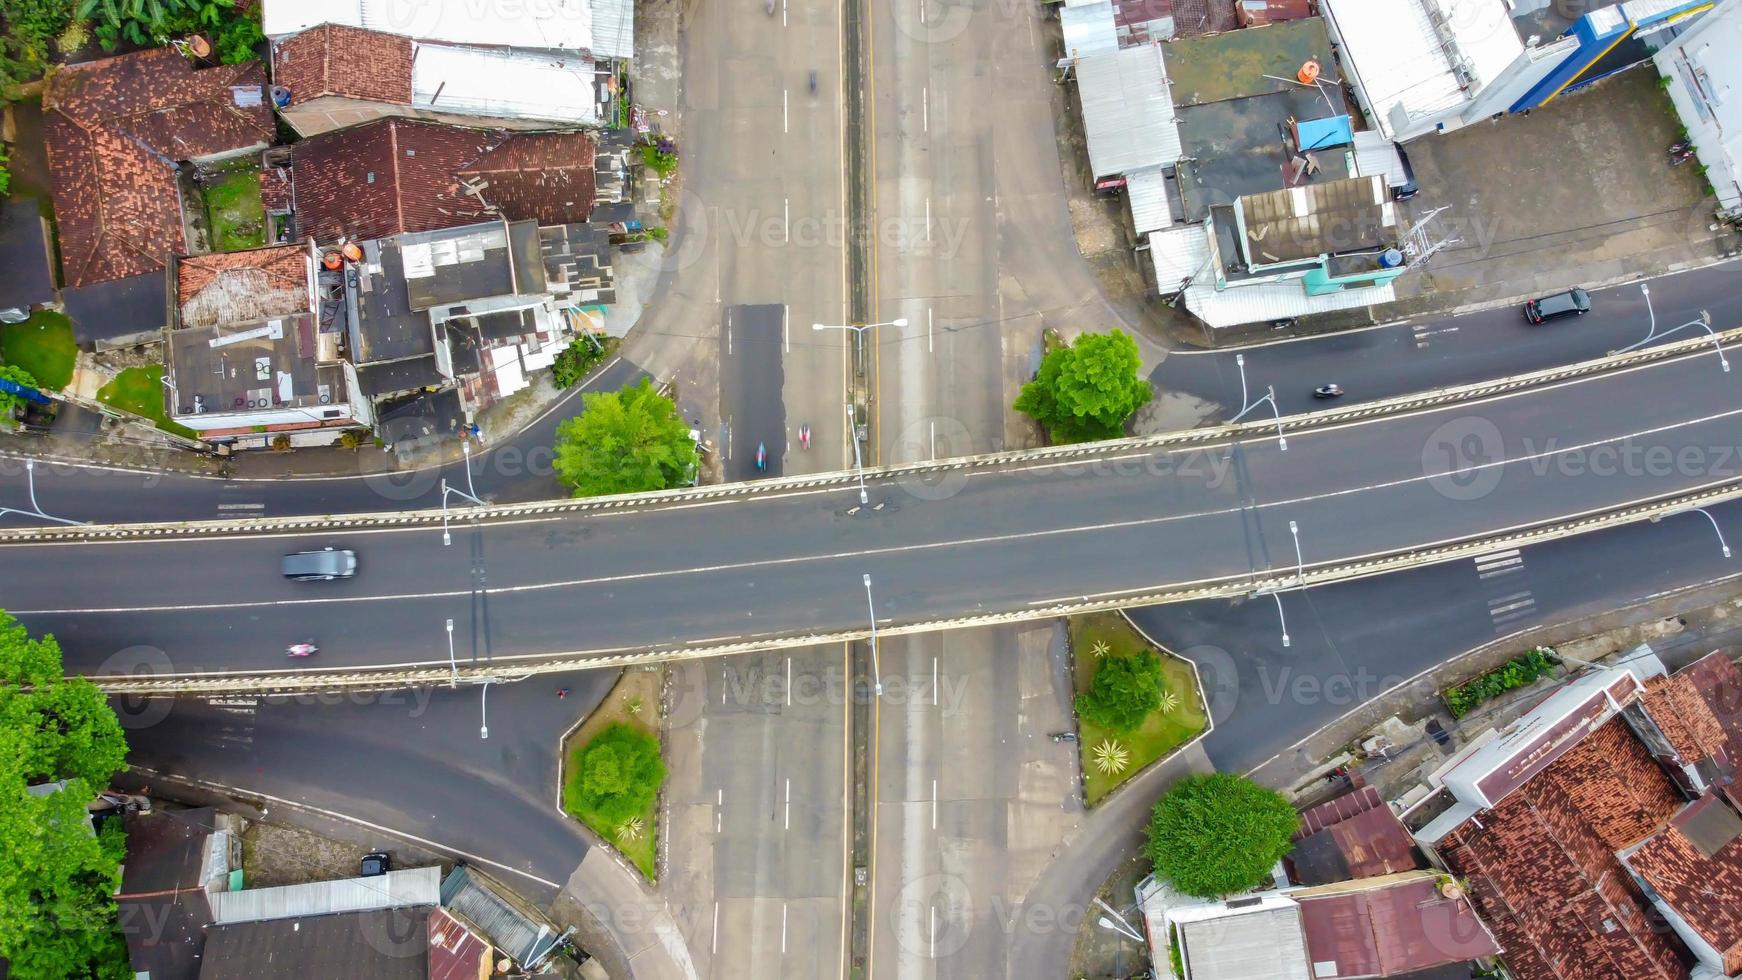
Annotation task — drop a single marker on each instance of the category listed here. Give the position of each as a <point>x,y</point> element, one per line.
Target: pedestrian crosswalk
<point>1508,600</point>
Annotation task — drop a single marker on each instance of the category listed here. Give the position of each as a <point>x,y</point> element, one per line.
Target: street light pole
<point>876,669</point>
<point>36,508</point>
<point>858,463</point>
<point>1722,544</point>
<point>446,538</point>
<point>484,711</point>
<point>1645,288</point>
<point>1240,362</point>
<point>1717,345</point>
<point>1279,616</point>
<point>466,450</point>
<point>1299,564</point>
<point>453,665</point>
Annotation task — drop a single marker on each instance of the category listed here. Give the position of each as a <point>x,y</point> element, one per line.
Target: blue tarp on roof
<point>1316,134</point>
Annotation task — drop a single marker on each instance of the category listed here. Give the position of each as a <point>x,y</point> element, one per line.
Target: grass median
<point>1111,756</point>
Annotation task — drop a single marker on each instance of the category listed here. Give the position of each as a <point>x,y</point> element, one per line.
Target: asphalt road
<point>1403,358</point>
<point>792,562</point>
<point>751,378</point>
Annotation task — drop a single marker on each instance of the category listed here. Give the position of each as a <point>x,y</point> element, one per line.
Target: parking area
<point>1577,192</point>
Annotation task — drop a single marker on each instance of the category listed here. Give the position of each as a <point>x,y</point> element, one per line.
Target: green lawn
<point>233,208</point>
<point>140,390</point>
<point>634,701</point>
<point>42,345</point>
<point>1180,719</point>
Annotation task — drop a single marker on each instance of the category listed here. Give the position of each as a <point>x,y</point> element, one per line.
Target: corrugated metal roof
<point>614,29</point>
<point>511,929</point>
<point>1089,29</point>
<point>1376,155</point>
<point>395,889</point>
<point>1401,59</point>
<point>1267,301</point>
<point>1146,192</point>
<point>504,83</point>
<point>1179,254</point>
<point>1267,944</point>
<point>1128,114</point>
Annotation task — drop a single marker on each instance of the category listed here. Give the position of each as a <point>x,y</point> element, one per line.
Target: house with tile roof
<point>1605,811</point>
<point>396,176</point>
<point>254,353</point>
<point>336,75</point>
<point>118,131</point>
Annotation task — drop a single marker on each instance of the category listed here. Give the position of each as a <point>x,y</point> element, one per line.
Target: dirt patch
<point>274,855</point>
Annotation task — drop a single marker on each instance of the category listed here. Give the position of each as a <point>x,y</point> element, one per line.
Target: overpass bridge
<point>1250,510</point>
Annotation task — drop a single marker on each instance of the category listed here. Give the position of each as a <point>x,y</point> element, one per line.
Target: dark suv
<point>1571,302</point>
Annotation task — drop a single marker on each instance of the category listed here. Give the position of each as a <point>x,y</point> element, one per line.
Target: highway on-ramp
<point>791,563</point>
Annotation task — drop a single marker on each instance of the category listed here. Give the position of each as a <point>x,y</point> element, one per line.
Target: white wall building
<point>1704,68</point>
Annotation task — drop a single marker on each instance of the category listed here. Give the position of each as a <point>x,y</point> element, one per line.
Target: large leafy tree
<point>1216,834</point>
<point>1088,389</point>
<point>624,442</point>
<point>57,879</point>
<point>1126,688</point>
<point>619,775</point>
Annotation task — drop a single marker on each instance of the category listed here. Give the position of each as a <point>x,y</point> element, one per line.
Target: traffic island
<point>1148,705</point>
<point>613,769</point>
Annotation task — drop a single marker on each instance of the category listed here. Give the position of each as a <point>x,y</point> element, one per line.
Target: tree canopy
<point>1216,834</point>
<point>625,441</point>
<point>620,773</point>
<point>1125,689</point>
<point>9,402</point>
<point>1087,390</point>
<point>58,879</point>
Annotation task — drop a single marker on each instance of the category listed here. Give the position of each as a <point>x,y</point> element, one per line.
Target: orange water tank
<point>352,253</point>
<point>331,260</point>
<point>1309,72</point>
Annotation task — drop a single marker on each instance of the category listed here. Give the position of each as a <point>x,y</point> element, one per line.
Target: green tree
<point>57,910</point>
<point>1216,834</point>
<point>624,442</point>
<point>574,361</point>
<point>1126,688</point>
<point>30,29</point>
<point>1087,390</point>
<point>619,773</point>
<point>9,402</point>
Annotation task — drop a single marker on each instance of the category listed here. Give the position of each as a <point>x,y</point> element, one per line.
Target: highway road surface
<point>791,563</point>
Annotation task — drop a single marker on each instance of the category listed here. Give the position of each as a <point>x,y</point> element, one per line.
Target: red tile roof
<point>115,129</point>
<point>352,62</point>
<point>399,175</point>
<point>1699,709</point>
<point>1399,924</point>
<point>243,287</point>
<point>1543,870</point>
<point>1704,889</point>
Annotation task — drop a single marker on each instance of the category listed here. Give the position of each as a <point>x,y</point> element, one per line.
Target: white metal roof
<point>1265,942</point>
<point>1377,156</point>
<point>614,29</point>
<point>395,889</point>
<point>561,24</point>
<point>1146,192</point>
<point>508,84</point>
<point>1179,254</point>
<point>1128,114</point>
<point>1260,302</point>
<point>1088,29</point>
<point>1403,60</point>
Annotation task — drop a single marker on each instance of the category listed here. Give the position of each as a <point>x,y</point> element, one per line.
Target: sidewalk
<point>618,919</point>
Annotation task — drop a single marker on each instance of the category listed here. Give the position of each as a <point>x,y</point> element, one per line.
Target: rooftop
<point>604,27</point>
<point>1258,938</point>
<point>455,952</point>
<point>1353,836</point>
<point>1128,117</point>
<point>395,889</point>
<point>162,904</point>
<point>1389,926</point>
<point>505,83</point>
<point>1694,867</point>
<point>383,944</point>
<point>1310,220</point>
<point>1235,64</point>
<point>1546,20</point>
<point>336,59</point>
<point>246,287</point>
<point>115,129</point>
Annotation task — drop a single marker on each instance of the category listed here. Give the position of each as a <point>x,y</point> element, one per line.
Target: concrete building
<point>1704,68</point>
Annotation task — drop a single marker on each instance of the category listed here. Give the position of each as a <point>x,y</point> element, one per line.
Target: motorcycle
<point>770,7</point>
<point>1680,146</point>
<point>1328,391</point>
<point>813,81</point>
<point>1063,736</point>
<point>804,437</point>
<point>761,457</point>
<point>303,649</point>
<point>1677,159</point>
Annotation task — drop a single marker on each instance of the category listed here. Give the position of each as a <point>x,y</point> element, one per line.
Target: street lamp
<point>36,508</point>
<point>1717,345</point>
<point>859,329</point>
<point>1274,594</point>
<point>1655,518</point>
<point>1645,289</point>
<point>1299,565</point>
<point>484,711</point>
<point>466,450</point>
<point>1106,922</point>
<point>876,670</point>
<point>1240,362</point>
<point>453,666</point>
<point>446,538</point>
<point>858,463</point>
<point>1270,396</point>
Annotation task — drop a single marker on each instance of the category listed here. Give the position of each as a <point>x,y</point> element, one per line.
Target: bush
<point>616,777</point>
<point>1518,672</point>
<point>627,441</point>
<point>31,26</point>
<point>660,156</point>
<point>350,439</point>
<point>1216,834</point>
<point>5,171</point>
<point>235,33</point>
<point>281,443</point>
<point>9,402</point>
<point>573,363</point>
<point>1126,688</point>
<point>1087,390</point>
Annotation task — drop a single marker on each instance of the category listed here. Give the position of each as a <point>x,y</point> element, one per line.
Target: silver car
<point>320,566</point>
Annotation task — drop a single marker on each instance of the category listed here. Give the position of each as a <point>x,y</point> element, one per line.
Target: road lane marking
<point>785,328</point>
<point>786,219</point>
<point>786,820</point>
<point>336,815</point>
<point>783,928</point>
<point>928,331</point>
<point>783,112</point>
<point>934,804</point>
<point>716,946</point>
<point>925,107</point>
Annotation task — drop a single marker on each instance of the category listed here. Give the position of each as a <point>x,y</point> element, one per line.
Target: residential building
<point>500,917</point>
<point>1597,816</point>
<point>176,861</point>
<point>1351,837</point>
<point>1705,83</point>
<point>254,353</point>
<point>1424,66</point>
<point>605,29</point>
<point>374,928</point>
<point>334,75</point>
<point>120,132</point>
<point>396,176</point>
